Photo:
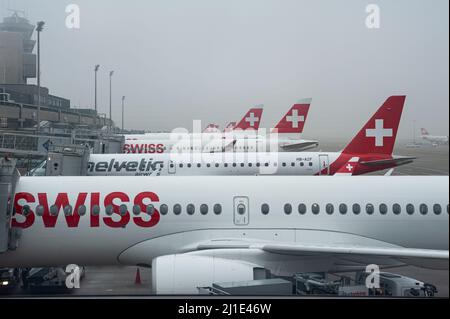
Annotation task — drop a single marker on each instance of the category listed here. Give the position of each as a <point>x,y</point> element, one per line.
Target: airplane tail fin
<point>251,120</point>
<point>294,121</point>
<point>230,127</point>
<point>211,128</point>
<point>380,132</point>
<point>424,131</point>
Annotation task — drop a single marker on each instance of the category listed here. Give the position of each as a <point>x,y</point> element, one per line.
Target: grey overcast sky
<point>178,60</point>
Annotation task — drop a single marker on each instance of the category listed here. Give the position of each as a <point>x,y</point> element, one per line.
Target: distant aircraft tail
<point>211,128</point>
<point>251,120</point>
<point>230,127</point>
<point>424,131</point>
<point>380,132</point>
<point>294,121</point>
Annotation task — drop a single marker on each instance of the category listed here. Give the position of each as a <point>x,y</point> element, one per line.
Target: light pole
<point>39,28</point>
<point>123,112</point>
<point>111,73</point>
<point>96,70</point>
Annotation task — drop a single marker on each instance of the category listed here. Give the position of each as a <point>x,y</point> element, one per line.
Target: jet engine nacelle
<point>184,274</point>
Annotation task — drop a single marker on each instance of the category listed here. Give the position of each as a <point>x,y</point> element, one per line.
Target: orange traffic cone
<point>138,281</point>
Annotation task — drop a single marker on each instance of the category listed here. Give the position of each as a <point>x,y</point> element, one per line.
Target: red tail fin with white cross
<point>294,121</point>
<point>379,134</point>
<point>251,120</point>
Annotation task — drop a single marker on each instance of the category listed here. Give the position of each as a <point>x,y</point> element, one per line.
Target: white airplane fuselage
<point>122,233</point>
<point>438,140</point>
<point>215,143</point>
<point>210,164</point>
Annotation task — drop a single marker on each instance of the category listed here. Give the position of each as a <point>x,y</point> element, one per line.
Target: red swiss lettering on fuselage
<point>143,148</point>
<point>72,220</point>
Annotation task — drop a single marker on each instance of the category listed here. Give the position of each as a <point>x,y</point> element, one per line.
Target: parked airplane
<point>195,231</point>
<point>370,151</point>
<point>434,139</point>
<point>244,137</point>
<point>249,124</point>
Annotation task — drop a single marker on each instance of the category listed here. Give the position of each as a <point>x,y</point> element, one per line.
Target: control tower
<point>17,61</point>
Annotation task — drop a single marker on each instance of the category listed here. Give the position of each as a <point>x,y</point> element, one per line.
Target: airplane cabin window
<point>204,209</point>
<point>330,209</point>
<point>370,209</point>
<point>315,209</point>
<point>397,209</point>
<point>293,164</point>
<point>383,209</point>
<point>164,209</point>
<point>82,210</point>
<point>26,210</point>
<point>234,164</point>
<point>40,210</point>
<point>302,209</point>
<point>423,209</point>
<point>68,210</point>
<point>410,209</point>
<point>95,210</point>
<point>265,209</point>
<point>190,209</point>
<point>437,209</point>
<point>181,165</point>
<point>109,210</point>
<point>302,164</point>
<point>53,210</point>
<point>217,165</point>
<point>208,165</point>
<point>225,165</point>
<point>136,210</point>
<point>288,209</point>
<point>250,165</point>
<point>356,209</point>
<point>343,209</point>
<point>177,209</point>
<point>284,164</point>
<point>189,165</point>
<point>199,165</point>
<point>310,164</point>
<point>217,209</point>
<point>123,209</point>
<point>258,164</point>
<point>242,165</point>
<point>150,209</point>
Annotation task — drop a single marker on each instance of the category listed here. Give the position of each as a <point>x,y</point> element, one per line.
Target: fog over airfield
<point>180,60</point>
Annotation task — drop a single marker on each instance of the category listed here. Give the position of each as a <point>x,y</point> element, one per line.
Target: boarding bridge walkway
<point>26,145</point>
<point>28,113</point>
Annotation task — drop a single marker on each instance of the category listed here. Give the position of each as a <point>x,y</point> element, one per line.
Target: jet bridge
<point>8,179</point>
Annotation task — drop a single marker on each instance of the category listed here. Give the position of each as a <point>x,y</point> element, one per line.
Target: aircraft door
<point>324,165</point>
<point>172,168</point>
<point>241,211</point>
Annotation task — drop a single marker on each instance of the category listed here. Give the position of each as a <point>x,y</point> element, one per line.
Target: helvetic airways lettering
<point>132,166</point>
<point>26,204</point>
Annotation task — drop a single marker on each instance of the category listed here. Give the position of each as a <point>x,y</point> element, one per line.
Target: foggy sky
<point>179,60</point>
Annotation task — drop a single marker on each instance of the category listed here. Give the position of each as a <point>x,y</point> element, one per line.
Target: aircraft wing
<point>299,146</point>
<point>342,253</point>
<point>398,160</point>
